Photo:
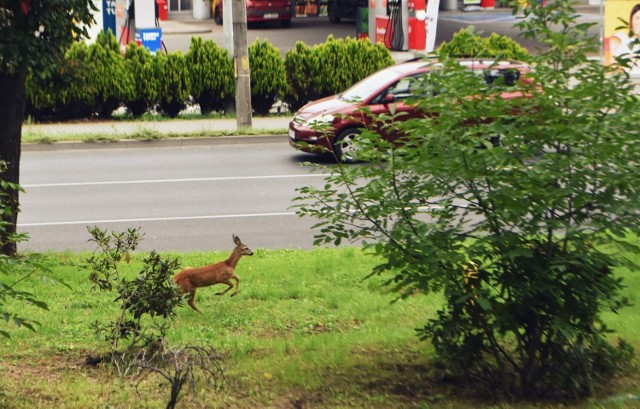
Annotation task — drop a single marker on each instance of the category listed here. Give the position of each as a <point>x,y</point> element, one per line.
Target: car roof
<point>479,63</point>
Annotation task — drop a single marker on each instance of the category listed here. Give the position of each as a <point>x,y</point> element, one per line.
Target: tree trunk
<point>12,103</point>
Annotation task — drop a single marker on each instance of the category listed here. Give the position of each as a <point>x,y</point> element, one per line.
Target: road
<point>185,199</point>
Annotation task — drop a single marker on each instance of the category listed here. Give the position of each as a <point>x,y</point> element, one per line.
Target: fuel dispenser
<point>403,25</point>
<point>138,21</point>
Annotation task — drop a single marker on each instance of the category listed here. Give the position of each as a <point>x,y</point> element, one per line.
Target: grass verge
<point>305,331</point>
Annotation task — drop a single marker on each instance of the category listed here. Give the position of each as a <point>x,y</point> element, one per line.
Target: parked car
<point>331,124</point>
<point>260,10</point>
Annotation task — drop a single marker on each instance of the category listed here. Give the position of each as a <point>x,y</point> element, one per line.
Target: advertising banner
<point>622,32</point>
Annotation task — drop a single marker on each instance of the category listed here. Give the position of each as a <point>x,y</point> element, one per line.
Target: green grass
<point>305,331</point>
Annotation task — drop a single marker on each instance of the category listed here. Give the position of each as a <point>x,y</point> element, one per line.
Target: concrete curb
<point>154,143</point>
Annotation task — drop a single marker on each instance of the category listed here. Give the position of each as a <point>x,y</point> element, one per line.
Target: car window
<point>417,86</point>
<point>507,77</point>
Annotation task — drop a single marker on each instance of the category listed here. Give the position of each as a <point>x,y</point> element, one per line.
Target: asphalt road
<point>184,199</point>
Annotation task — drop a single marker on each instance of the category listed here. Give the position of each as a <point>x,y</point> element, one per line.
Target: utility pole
<point>241,64</point>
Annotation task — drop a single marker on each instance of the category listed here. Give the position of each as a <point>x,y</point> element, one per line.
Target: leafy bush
<point>330,68</point>
<point>466,43</point>
<point>175,83</point>
<point>63,92</point>
<point>268,78</point>
<point>108,74</point>
<point>300,64</point>
<point>521,234</point>
<point>212,76</point>
<point>146,80</point>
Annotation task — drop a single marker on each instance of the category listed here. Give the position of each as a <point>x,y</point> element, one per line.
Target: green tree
<point>35,34</point>
<point>211,72</point>
<point>516,210</point>
<point>466,43</point>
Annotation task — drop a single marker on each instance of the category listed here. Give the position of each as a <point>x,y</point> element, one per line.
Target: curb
<point>155,143</point>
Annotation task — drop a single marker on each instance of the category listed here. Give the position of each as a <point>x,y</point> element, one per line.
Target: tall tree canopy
<point>33,35</point>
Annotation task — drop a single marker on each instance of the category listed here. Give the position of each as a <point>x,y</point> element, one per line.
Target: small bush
<point>63,92</point>
<point>330,68</point>
<point>146,95</point>
<point>175,83</point>
<point>108,74</point>
<point>268,77</point>
<point>466,43</point>
<point>212,76</point>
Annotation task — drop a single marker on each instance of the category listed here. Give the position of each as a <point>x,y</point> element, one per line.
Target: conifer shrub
<point>467,43</point>
<point>63,92</point>
<point>268,77</point>
<point>212,76</point>
<point>146,80</point>
<point>330,68</point>
<point>300,63</point>
<point>108,74</point>
<point>175,83</point>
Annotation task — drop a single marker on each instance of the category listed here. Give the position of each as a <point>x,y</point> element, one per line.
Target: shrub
<point>212,75</point>
<point>63,92</point>
<point>146,80</point>
<point>108,74</point>
<point>175,83</point>
<point>466,43</point>
<point>300,64</point>
<point>330,68</point>
<point>268,78</point>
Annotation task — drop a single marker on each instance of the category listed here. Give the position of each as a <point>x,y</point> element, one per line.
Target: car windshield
<point>369,86</point>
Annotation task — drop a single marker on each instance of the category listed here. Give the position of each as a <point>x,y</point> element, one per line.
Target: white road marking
<point>149,181</point>
<point>156,219</point>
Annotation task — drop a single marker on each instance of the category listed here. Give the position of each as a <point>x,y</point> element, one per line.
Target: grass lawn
<point>305,331</point>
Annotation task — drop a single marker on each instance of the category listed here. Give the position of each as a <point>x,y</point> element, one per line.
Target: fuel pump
<point>394,34</point>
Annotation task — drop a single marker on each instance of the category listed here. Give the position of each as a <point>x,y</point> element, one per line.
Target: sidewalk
<point>125,130</point>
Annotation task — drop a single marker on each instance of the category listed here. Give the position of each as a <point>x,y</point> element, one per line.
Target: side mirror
<point>389,98</point>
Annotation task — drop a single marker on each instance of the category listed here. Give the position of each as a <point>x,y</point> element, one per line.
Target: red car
<point>261,10</point>
<point>332,123</point>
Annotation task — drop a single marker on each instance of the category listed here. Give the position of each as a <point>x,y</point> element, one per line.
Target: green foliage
<point>15,270</point>
<point>64,91</point>
<point>108,74</point>
<point>146,80</point>
<point>37,39</point>
<point>329,68</point>
<point>268,78</point>
<point>299,64</point>
<point>150,294</point>
<point>466,43</point>
<point>515,210</point>
<point>212,76</point>
<point>175,83</point>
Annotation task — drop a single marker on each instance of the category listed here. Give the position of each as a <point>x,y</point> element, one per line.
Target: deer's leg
<point>235,277</point>
<point>227,282</point>
<point>192,300</point>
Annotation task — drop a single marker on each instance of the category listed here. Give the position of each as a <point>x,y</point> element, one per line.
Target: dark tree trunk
<point>12,103</point>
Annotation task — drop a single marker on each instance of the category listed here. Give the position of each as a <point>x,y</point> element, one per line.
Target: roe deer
<point>190,279</point>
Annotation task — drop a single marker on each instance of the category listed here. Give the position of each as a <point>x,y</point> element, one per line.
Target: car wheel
<point>217,16</point>
<point>333,12</point>
<point>285,23</point>
<point>344,147</point>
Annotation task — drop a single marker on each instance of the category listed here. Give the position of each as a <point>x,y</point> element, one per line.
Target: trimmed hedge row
<point>94,80</point>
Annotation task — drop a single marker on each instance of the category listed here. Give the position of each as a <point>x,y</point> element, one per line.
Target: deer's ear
<point>236,239</point>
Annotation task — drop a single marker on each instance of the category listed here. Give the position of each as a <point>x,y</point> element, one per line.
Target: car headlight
<point>320,121</point>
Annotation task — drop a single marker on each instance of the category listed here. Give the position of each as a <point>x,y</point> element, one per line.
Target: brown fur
<point>190,279</point>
